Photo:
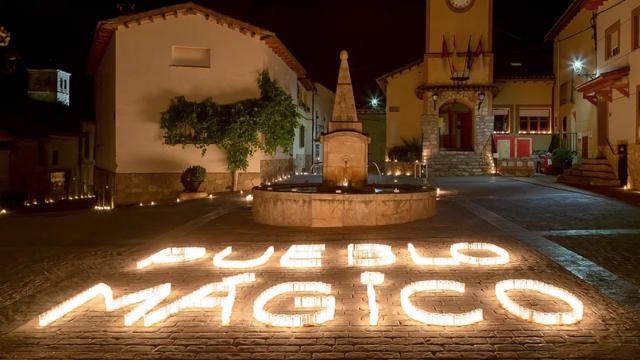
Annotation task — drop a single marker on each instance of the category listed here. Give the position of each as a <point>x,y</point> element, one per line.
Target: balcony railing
<point>569,141</point>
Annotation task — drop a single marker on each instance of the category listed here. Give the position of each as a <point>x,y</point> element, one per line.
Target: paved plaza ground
<point>582,242</point>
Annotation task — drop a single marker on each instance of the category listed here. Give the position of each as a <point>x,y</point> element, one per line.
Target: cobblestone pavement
<point>622,255</point>
<point>55,267</point>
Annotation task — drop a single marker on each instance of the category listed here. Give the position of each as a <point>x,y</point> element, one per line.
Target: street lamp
<point>480,99</point>
<point>374,102</point>
<point>434,97</point>
<point>577,67</point>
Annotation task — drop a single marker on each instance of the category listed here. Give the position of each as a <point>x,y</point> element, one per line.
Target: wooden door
<point>466,129</point>
<point>603,122</point>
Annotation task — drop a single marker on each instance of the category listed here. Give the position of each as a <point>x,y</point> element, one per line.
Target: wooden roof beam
<point>622,88</point>
<point>592,98</point>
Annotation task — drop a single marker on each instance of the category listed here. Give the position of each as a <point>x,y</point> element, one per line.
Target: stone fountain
<point>344,198</point>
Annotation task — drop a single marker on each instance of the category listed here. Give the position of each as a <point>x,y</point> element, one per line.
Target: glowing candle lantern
<point>370,279</point>
<point>431,318</point>
<point>430,261</point>
<point>300,256</point>
<point>219,259</point>
<point>148,298</point>
<point>502,258</point>
<point>540,317</point>
<point>327,303</point>
<point>173,255</point>
<point>370,255</point>
<point>201,299</point>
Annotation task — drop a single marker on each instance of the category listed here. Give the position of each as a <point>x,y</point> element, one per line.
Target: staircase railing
<point>612,156</point>
<point>569,141</point>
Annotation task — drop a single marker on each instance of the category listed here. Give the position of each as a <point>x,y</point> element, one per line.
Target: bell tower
<point>457,91</point>
<point>459,41</point>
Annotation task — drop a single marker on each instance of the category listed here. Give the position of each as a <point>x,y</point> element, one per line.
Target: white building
<point>49,85</point>
<point>142,61</point>
<point>316,106</point>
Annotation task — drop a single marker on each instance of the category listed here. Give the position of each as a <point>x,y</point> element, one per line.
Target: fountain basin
<point>300,205</point>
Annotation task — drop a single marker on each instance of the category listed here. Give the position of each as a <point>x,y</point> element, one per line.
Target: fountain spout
<point>372,163</point>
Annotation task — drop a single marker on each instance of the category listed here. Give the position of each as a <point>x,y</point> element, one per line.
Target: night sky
<point>50,33</point>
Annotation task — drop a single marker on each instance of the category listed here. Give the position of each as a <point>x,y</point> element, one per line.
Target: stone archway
<point>456,125</point>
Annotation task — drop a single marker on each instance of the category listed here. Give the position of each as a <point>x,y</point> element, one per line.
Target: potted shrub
<point>193,177</point>
<point>562,159</point>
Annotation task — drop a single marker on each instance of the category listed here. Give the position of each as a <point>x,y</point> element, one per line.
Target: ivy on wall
<point>240,128</point>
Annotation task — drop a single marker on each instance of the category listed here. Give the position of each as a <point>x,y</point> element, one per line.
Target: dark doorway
<point>456,127</point>
<point>585,147</point>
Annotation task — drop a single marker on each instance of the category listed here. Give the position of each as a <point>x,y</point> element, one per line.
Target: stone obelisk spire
<point>345,147</point>
<point>345,116</point>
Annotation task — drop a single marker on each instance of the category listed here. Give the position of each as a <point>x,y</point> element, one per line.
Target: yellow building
<point>598,69</point>
<point>573,45</point>
<point>447,99</point>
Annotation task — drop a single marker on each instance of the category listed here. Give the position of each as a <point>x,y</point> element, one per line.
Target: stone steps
<point>595,172</point>
<point>595,162</point>
<point>583,180</point>
<point>599,167</point>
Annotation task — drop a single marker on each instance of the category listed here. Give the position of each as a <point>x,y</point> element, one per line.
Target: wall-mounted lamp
<point>434,97</point>
<point>577,65</point>
<point>480,99</point>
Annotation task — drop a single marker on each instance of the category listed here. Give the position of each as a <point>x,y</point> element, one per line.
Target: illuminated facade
<point>598,68</point>
<point>141,61</point>
<point>452,102</point>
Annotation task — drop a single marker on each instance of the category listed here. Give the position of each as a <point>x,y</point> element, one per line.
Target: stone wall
<point>133,188</point>
<point>516,167</point>
<point>633,161</point>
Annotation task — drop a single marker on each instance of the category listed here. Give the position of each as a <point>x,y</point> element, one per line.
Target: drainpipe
<point>594,17</point>
<point>313,127</point>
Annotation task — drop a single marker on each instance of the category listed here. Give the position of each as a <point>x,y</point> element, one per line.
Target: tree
<point>267,123</point>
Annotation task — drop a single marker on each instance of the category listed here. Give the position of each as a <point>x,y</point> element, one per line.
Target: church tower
<point>458,85</point>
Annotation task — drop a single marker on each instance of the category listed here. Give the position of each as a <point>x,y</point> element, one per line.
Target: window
<point>564,93</point>
<point>612,40</point>
<point>301,144</point>
<point>501,121</point>
<point>190,56</point>
<point>534,121</point>
<point>635,28</point>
